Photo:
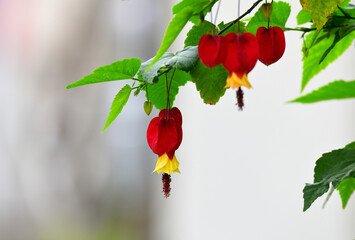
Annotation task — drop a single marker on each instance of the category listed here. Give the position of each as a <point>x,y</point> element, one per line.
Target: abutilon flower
<point>212,50</point>
<point>242,55</point>
<point>164,137</point>
<point>271,44</point>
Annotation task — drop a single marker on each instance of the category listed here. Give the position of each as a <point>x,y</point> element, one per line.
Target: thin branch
<point>239,18</point>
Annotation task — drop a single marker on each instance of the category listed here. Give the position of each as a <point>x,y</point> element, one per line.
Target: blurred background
<point>242,172</point>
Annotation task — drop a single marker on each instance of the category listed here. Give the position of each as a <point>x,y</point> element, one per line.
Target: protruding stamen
<point>166,179</point>
<point>240,99</point>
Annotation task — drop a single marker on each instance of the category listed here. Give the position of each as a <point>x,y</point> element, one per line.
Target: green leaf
<point>197,31</point>
<point>311,61</point>
<point>199,7</point>
<point>184,60</point>
<point>210,82</point>
<point>303,17</point>
<point>340,34</point>
<point>234,28</point>
<point>120,70</point>
<point>346,189</point>
<point>117,105</point>
<point>157,92</point>
<point>350,146</point>
<point>280,13</point>
<point>320,10</point>
<point>174,28</point>
<point>152,74</point>
<point>331,168</point>
<point>334,90</point>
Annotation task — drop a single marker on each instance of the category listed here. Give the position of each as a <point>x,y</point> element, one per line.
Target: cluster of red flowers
<point>239,52</point>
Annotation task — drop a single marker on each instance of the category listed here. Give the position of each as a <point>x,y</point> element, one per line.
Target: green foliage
<point>346,189</point>
<point>312,57</point>
<point>120,70</point>
<point>334,90</point>
<point>174,28</point>
<point>303,17</point>
<point>199,7</point>
<point>280,13</point>
<point>196,32</point>
<point>236,28</point>
<point>157,92</point>
<point>320,10</point>
<point>184,60</point>
<point>117,105</point>
<point>331,168</point>
<point>210,82</point>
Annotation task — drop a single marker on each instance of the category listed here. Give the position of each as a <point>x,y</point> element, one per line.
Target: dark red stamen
<point>166,179</point>
<point>240,99</point>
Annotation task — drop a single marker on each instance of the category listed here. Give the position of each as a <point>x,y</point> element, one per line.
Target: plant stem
<point>239,18</point>
<point>136,79</point>
<point>146,90</point>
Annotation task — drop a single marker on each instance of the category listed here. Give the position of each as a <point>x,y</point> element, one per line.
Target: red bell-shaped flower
<point>164,136</point>
<point>212,50</point>
<point>242,55</point>
<point>271,44</point>
<point>172,113</point>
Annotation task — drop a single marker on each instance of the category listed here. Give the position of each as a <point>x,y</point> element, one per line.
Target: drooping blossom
<point>242,55</point>
<point>164,136</point>
<point>212,50</point>
<point>271,44</point>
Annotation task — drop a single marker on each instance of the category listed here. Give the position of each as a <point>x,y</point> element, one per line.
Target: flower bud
<point>266,9</point>
<point>148,106</point>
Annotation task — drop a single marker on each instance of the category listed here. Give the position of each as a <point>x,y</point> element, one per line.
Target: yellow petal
<point>164,164</point>
<point>234,81</point>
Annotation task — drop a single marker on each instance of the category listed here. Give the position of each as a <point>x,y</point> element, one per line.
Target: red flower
<point>164,136</point>
<point>212,50</point>
<point>271,44</point>
<point>242,55</point>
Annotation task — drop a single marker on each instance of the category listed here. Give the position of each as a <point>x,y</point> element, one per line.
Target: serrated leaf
<point>117,105</point>
<point>185,59</point>
<point>280,13</point>
<point>120,70</point>
<point>197,31</point>
<point>303,17</point>
<point>174,28</point>
<point>210,82</point>
<point>331,168</point>
<point>334,90</point>
<point>320,10</point>
<point>157,92</point>
<point>234,28</point>
<point>311,65</point>
<point>346,189</point>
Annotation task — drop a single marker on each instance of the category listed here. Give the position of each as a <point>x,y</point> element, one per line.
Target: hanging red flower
<point>212,50</point>
<point>271,44</point>
<point>242,55</point>
<point>164,136</point>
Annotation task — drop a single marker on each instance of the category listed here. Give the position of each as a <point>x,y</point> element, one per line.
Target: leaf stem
<point>239,18</point>
<point>136,79</point>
